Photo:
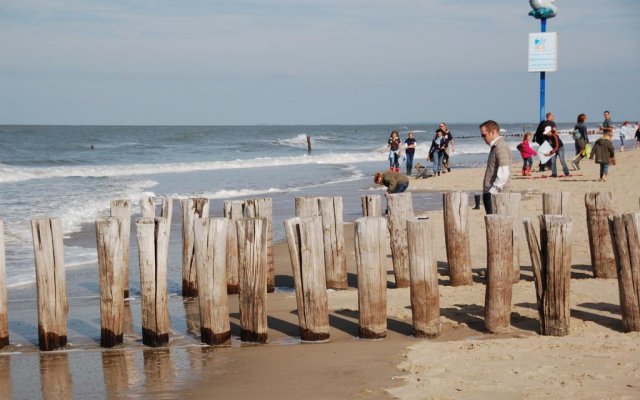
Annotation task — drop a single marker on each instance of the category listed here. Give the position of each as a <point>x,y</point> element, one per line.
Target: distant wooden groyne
<point>316,247</point>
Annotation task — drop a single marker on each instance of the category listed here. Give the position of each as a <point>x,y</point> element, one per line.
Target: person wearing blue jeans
<point>436,152</point>
<point>557,152</point>
<point>409,151</point>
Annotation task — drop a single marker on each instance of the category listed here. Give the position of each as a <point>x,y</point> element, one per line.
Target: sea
<point>73,172</point>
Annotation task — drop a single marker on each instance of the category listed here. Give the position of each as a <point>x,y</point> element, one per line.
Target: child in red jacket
<point>526,152</point>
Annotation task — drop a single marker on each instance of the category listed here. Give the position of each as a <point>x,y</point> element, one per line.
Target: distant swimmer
<point>92,147</point>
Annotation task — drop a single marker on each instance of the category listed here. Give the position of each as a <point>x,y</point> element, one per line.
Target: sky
<point>238,62</point>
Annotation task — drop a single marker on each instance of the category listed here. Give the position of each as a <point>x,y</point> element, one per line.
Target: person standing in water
<point>409,151</point>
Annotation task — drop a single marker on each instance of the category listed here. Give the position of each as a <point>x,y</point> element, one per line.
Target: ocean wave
<point>17,174</point>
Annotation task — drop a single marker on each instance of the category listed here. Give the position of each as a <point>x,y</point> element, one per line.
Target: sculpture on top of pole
<point>543,10</point>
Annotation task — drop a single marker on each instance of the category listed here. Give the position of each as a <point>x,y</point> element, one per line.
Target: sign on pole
<point>543,52</point>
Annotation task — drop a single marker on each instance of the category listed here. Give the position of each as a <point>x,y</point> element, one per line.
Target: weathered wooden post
<point>148,207</point>
<point>400,209</point>
<point>233,211</point>
<point>252,256</point>
<point>153,244</point>
<point>4,309</point>
<point>556,203</point>
<point>509,204</point>
<point>210,249</point>
<point>304,236</point>
<point>110,267</point>
<point>551,260</point>
<point>497,300</point>
<point>121,209</point>
<point>457,238</point>
<point>599,209</point>
<point>263,208</point>
<point>5,377</point>
<point>371,205</point>
<point>306,206</point>
<point>625,230</point>
<point>371,251</point>
<point>333,237</point>
<point>191,209</point>
<point>425,300</point>
<point>50,283</point>
<point>167,210</point>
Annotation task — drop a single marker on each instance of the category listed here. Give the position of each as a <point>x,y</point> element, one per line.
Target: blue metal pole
<point>543,28</point>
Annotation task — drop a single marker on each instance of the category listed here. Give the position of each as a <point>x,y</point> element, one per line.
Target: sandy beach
<point>596,360</point>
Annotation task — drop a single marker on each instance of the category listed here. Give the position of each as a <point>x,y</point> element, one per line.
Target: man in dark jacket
<point>396,182</point>
<point>540,137</point>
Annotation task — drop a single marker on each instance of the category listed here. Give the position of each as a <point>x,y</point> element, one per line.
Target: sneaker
<point>575,167</point>
<point>553,176</point>
<point>448,169</point>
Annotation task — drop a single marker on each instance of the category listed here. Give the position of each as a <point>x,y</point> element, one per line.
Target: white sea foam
<point>17,174</point>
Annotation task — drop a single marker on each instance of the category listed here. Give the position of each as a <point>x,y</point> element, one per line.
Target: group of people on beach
<point>497,174</point>
<point>602,151</point>
<point>442,145</point>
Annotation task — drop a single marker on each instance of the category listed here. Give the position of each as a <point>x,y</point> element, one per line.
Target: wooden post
<point>5,378</point>
<point>509,204</point>
<point>371,251</point>
<point>556,203</point>
<point>110,267</point>
<point>263,208</point>
<point>50,283</point>
<point>497,300</point>
<point>307,207</point>
<point>148,207</point>
<point>625,230</point>
<point>599,209</point>
<point>252,257</point>
<point>191,209</point>
<point>552,271</point>
<point>457,238</point>
<point>153,244</point>
<point>167,210</point>
<point>304,236</point>
<point>4,309</point>
<point>121,209</point>
<point>233,211</point>
<point>333,238</point>
<point>400,209</point>
<point>371,205</point>
<point>425,300</point>
<point>211,265</point>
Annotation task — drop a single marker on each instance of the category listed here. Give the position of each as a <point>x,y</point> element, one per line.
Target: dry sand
<point>595,361</point>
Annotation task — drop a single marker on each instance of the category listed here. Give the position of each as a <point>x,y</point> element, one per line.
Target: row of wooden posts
<point>234,254</point>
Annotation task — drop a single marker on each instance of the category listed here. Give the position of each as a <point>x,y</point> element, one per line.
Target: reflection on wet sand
<point>119,372</point>
<point>158,371</point>
<point>5,378</point>
<point>192,315</point>
<point>55,376</point>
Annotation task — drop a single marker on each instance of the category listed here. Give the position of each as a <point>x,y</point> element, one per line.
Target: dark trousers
<point>486,201</point>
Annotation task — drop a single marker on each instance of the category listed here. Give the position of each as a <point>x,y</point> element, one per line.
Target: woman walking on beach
<point>526,152</point>
<point>446,133</point>
<point>409,151</point>
<point>582,140</point>
<point>604,155</point>
<point>394,151</point>
<point>557,152</point>
<point>436,152</point>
